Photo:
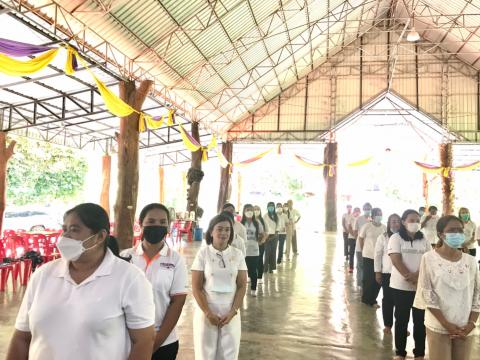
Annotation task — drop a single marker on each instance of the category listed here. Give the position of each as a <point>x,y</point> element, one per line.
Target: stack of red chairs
<point>12,247</point>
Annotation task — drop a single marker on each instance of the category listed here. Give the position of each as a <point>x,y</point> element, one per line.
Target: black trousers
<point>351,252</point>
<point>252,266</point>
<point>281,246</point>
<point>270,263</point>
<point>387,301</point>
<point>167,352</point>
<point>403,302</point>
<point>370,287</point>
<point>260,261</point>
<point>294,242</point>
<point>345,245</point>
<point>472,252</point>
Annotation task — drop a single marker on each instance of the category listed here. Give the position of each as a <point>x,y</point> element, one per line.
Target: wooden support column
<point>161,183</point>
<point>446,161</point>
<point>225,176</point>
<point>330,174</point>
<point>126,202</point>
<point>106,174</point>
<point>195,173</point>
<point>6,153</point>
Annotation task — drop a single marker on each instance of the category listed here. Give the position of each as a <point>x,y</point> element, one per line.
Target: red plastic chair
<point>13,268</point>
<point>186,229</point>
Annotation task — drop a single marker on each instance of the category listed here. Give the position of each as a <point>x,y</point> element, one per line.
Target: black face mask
<point>154,233</point>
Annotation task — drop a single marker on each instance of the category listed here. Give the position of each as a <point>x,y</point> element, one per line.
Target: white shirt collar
<point>104,269</point>
<point>165,251</point>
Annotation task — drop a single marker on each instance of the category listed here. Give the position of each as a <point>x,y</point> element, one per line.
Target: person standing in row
<point>346,219</point>
<point>469,228</point>
<point>271,228</point>
<point>261,244</point>
<point>238,242</point>
<point>368,236</point>
<point>90,303</point>
<point>358,224</point>
<point>282,231</point>
<point>219,283</point>
<point>449,289</point>
<point>166,271</point>
<point>240,233</point>
<point>352,239</point>
<point>383,269</point>
<point>289,231</point>
<point>294,217</point>
<point>255,235</point>
<point>429,225</point>
<point>406,250</point>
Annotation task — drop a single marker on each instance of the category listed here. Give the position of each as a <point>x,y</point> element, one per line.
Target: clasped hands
<point>459,332</point>
<point>220,321</point>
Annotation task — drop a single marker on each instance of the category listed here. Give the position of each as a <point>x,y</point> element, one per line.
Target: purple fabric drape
<point>16,48</point>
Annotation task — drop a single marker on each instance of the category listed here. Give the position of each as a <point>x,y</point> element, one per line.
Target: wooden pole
<point>106,174</point>
<point>446,162</point>
<point>225,176</point>
<point>195,173</point>
<point>127,192</point>
<point>6,153</point>
<point>161,180</point>
<point>330,174</point>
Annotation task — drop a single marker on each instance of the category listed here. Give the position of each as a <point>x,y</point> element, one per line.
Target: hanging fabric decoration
<point>193,145</point>
<point>255,158</point>
<point>222,159</point>
<point>431,169</point>
<point>309,163</point>
<point>445,171</point>
<point>113,103</point>
<point>361,162</point>
<point>15,67</point>
<point>72,64</point>
<point>171,120</point>
<point>467,167</point>
<point>19,49</point>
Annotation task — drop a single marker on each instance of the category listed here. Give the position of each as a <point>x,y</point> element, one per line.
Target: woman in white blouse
<point>406,250</point>
<point>469,231</point>
<point>383,269</point>
<point>271,228</point>
<point>219,283</point>
<point>90,304</point>
<point>448,288</point>
<point>166,271</point>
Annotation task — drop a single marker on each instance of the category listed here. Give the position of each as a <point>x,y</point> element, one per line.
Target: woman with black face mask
<point>166,270</point>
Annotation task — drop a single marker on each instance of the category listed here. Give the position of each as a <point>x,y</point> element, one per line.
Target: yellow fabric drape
<point>15,67</point>
<point>170,120</point>
<point>114,104</point>
<point>186,141</point>
<point>69,70</point>
<point>361,162</point>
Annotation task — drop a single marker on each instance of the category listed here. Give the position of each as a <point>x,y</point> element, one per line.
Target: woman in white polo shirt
<point>166,271</point>
<point>367,238</point>
<point>469,228</point>
<point>219,283</point>
<point>406,250</point>
<point>448,289</point>
<point>89,304</point>
<point>271,228</point>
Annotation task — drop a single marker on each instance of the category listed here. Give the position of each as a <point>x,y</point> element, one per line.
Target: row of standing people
<point>263,239</point>
<point>439,285</point>
<point>108,304</point>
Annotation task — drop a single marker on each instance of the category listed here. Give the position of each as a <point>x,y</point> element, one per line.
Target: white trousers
<point>212,342</point>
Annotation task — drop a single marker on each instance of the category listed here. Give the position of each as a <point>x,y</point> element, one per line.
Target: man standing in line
<point>346,218</point>
<point>359,222</point>
<point>294,217</point>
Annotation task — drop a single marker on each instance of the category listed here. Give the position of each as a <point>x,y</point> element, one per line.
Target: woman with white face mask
<point>261,243</point>
<point>219,282</point>
<point>383,269</point>
<point>90,304</point>
<point>406,249</point>
<point>449,289</point>
<point>166,271</point>
<point>255,233</point>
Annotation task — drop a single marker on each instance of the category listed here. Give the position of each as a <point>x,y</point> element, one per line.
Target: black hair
<point>260,218</point>
<point>95,218</point>
<point>229,215</point>
<point>367,204</point>
<point>152,206</point>
<point>403,230</point>
<point>463,209</point>
<point>375,211</point>
<point>227,205</point>
<point>389,231</point>
<point>431,208</point>
<point>254,220</point>
<point>421,208</point>
<point>215,220</point>
<point>273,215</point>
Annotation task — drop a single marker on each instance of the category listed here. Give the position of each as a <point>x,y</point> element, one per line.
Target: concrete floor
<point>309,309</point>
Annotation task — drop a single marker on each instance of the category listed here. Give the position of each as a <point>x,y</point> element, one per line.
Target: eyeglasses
<point>221,261</point>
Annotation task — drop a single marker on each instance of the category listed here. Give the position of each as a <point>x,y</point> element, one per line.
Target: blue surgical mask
<point>367,212</point>
<point>454,240</point>
<point>378,219</point>
<point>271,209</point>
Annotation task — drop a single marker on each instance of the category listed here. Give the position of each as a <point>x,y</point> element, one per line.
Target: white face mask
<point>279,210</point>
<point>248,214</point>
<point>257,213</point>
<point>413,227</point>
<point>72,249</point>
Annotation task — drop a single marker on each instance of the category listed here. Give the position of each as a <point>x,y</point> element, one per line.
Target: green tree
<point>40,172</point>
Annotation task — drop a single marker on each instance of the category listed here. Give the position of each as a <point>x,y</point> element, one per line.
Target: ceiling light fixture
<point>413,35</point>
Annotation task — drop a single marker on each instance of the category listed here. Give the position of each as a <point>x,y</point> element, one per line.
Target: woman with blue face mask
<point>468,230</point>
<point>367,237</point>
<point>448,289</point>
<point>271,228</point>
<point>383,269</point>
